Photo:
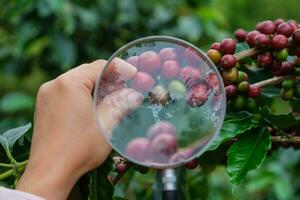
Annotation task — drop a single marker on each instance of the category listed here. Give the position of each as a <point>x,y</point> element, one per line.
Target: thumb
<point>115,106</point>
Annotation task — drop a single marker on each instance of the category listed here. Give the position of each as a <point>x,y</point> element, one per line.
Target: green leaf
<point>279,121</point>
<point>100,187</point>
<point>247,153</point>
<point>16,101</point>
<point>119,198</point>
<point>235,124</point>
<point>14,134</point>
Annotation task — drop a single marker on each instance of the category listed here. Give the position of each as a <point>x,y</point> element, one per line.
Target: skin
<point>67,142</point>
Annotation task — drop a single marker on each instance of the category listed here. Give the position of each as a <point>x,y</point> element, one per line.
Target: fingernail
<point>135,99</point>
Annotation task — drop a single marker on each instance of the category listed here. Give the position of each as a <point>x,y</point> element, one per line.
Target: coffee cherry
<point>121,168</point>
<point>159,128</point>
<point>261,40</point>
<point>253,91</point>
<point>170,69</point>
<point>177,89</point>
<point>149,61</point>
<point>287,94</point>
<point>197,96</point>
<point>133,60</point>
<point>276,65</point>
<point>265,59</point>
<point>293,23</point>
<point>190,76</point>
<point>215,46</point>
<point>227,46</point>
<point>285,29</point>
<point>278,21</point>
<point>228,61</point>
<point>191,164</point>
<point>142,82</point>
<point>137,148</point>
<point>266,27</point>
<point>297,52</point>
<point>296,35</point>
<point>297,91</point>
<point>287,84</point>
<point>242,76</point>
<point>240,35</point>
<point>231,91</point>
<point>213,82</point>
<point>250,104</point>
<point>279,42</point>
<point>250,38</point>
<point>281,55</point>
<point>243,86</point>
<point>288,67</point>
<point>214,55</point>
<point>239,102</point>
<point>159,95</point>
<point>230,76</point>
<point>168,54</point>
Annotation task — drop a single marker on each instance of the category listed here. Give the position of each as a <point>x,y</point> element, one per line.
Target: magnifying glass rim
<point>163,38</point>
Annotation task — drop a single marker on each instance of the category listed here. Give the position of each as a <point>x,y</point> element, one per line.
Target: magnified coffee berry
<point>285,29</point>
<point>149,61</point>
<point>190,76</point>
<point>159,95</point>
<point>214,55</point>
<point>227,46</point>
<point>191,57</point>
<point>197,96</point>
<point>137,148</point>
<point>161,127</point>
<point>182,155</point>
<point>230,76</point>
<point>279,41</point>
<point>261,40</point>
<point>177,89</point>
<point>133,60</point>
<point>254,91</point>
<point>228,61</point>
<point>213,82</point>
<point>191,164</point>
<point>266,27</point>
<point>231,91</point>
<point>240,35</point>
<point>170,69</point>
<point>250,38</point>
<point>265,59</point>
<point>168,54</point>
<point>142,82</point>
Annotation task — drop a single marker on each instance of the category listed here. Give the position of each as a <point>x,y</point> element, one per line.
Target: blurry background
<point>41,39</point>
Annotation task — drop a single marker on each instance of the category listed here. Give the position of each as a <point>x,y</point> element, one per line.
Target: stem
<point>276,80</point>
<point>17,168</point>
<point>290,139</point>
<point>246,53</point>
<point>6,165</point>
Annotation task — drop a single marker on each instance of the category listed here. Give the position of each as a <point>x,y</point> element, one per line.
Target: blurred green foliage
<point>40,39</point>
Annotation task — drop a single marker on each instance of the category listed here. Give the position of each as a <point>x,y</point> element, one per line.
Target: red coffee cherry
<point>142,82</point>
<point>231,91</point>
<point>261,40</point>
<point>216,46</point>
<point>279,41</point>
<point>266,27</point>
<point>296,35</point>
<point>191,164</point>
<point>149,61</point>
<point>240,35</point>
<point>228,61</point>
<point>170,69</point>
<point>288,67</point>
<point>254,91</point>
<point>197,96</point>
<point>122,168</point>
<point>250,38</point>
<point>227,46</point>
<point>285,29</point>
<point>276,67</point>
<point>265,59</point>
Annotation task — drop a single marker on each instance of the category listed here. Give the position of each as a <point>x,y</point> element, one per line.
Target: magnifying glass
<point>181,107</point>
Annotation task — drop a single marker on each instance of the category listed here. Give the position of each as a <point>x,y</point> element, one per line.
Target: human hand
<point>66,141</point>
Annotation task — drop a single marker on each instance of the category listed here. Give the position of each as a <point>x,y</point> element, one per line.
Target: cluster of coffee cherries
<point>276,47</point>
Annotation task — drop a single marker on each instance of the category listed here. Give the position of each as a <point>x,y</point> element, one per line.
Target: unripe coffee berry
<point>214,55</point>
<point>230,76</point>
<point>266,27</point>
<point>285,29</point>
<point>287,94</point>
<point>261,40</point>
<point>288,84</point>
<point>250,38</point>
<point>243,86</point>
<point>296,35</point>
<point>265,59</point>
<point>297,70</point>
<point>216,46</point>
<point>240,35</point>
<point>231,91</point>
<point>254,91</point>
<point>228,61</point>
<point>279,41</point>
<point>227,46</point>
<point>242,76</point>
<point>177,89</point>
<point>250,104</point>
<point>239,102</point>
<point>282,54</point>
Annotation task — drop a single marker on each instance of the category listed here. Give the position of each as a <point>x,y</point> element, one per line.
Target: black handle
<point>170,195</point>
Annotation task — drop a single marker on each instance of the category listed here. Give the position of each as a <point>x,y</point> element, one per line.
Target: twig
<point>246,53</point>
<point>276,80</point>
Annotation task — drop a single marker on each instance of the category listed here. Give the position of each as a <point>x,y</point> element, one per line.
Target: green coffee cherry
<point>250,104</point>
<point>287,84</point>
<point>297,91</point>
<point>242,76</point>
<point>297,70</point>
<point>243,86</point>
<point>177,89</point>
<point>287,94</point>
<point>239,102</point>
<point>281,55</point>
